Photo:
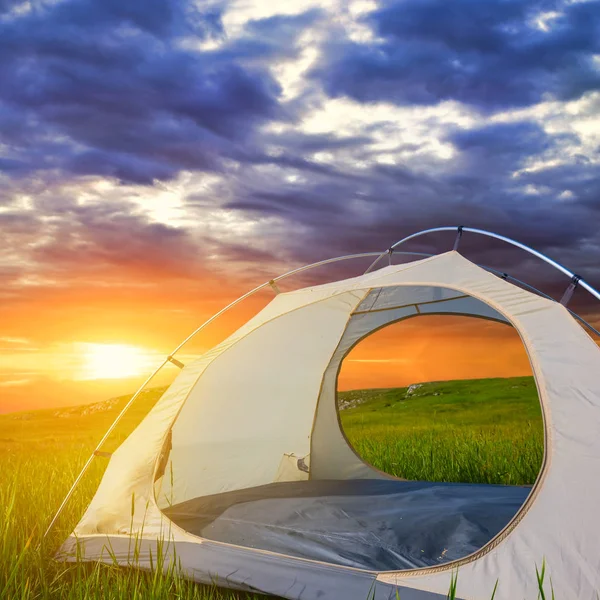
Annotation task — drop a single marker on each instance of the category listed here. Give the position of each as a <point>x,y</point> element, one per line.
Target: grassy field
<point>42,452</point>
<point>487,430</point>
<point>479,431</point>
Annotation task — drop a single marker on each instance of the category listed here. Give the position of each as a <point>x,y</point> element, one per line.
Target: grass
<point>481,431</point>
<point>42,452</point>
<point>488,430</point>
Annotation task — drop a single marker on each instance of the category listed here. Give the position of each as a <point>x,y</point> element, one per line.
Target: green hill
<point>484,430</point>
<point>480,431</point>
<point>76,427</point>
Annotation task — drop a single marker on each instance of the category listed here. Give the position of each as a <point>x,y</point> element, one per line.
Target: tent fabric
<point>367,524</point>
<point>259,409</point>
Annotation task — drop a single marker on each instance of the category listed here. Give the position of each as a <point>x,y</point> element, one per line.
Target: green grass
<point>480,431</point>
<point>42,452</point>
<point>487,430</point>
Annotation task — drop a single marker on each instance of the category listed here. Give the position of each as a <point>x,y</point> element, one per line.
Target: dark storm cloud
<point>307,143</point>
<point>524,138</point>
<point>500,149</point>
<point>385,195</point>
<point>486,54</point>
<point>108,88</point>
<point>7,5</point>
<point>375,206</point>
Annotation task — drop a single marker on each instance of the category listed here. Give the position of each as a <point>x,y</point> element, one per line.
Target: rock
<point>413,388</point>
<point>351,402</point>
<point>88,409</point>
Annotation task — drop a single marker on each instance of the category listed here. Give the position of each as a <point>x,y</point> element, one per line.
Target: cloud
<point>487,183</point>
<point>273,38</point>
<point>146,143</point>
<point>519,138</point>
<point>61,242</point>
<point>108,88</point>
<point>15,340</point>
<point>7,5</point>
<point>15,382</point>
<point>491,55</point>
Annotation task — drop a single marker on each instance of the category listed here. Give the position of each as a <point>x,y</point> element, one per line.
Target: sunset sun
<point>113,361</point>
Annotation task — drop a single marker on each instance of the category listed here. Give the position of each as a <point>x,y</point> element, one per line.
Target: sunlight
<point>113,361</point>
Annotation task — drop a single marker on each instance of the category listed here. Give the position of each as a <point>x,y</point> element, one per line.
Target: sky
<point>160,157</point>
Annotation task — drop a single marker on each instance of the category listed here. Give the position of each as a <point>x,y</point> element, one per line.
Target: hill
<point>484,430</point>
<point>477,431</point>
<point>73,427</point>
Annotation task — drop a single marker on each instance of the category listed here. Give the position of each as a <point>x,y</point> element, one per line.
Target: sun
<point>113,361</point>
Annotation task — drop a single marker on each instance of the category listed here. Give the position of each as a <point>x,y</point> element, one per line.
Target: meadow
<point>476,431</point>
<point>479,431</point>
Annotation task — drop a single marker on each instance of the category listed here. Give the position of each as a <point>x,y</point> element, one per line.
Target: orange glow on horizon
<point>71,347</point>
<point>434,348</point>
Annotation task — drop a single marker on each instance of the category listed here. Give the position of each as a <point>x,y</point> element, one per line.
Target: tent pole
<point>519,282</point>
<point>584,284</point>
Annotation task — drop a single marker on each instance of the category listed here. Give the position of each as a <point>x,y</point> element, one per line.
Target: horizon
<point>398,355</point>
<point>153,388</point>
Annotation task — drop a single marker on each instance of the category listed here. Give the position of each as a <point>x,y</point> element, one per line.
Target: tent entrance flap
<point>368,524</point>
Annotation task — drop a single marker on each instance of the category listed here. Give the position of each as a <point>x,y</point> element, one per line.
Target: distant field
<point>485,430</point>
<point>478,431</point>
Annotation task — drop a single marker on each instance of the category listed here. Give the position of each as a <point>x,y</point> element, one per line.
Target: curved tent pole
<point>460,229</point>
<point>89,461</point>
<point>168,359</point>
<point>265,284</point>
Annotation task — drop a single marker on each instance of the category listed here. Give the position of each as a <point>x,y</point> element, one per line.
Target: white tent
<point>242,472</point>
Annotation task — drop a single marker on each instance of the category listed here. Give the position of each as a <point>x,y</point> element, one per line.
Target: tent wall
<point>130,472</point>
<point>560,524</point>
<point>247,421</point>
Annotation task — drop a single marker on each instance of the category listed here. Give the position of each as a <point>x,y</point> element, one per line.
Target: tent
<point>242,474</point>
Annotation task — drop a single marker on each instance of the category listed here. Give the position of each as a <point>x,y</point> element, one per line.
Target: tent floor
<point>368,524</point>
